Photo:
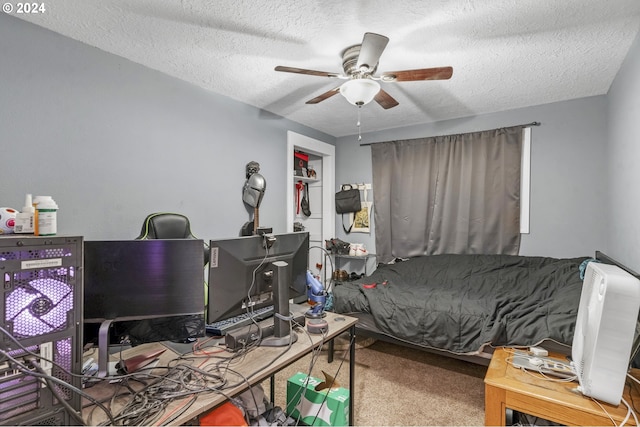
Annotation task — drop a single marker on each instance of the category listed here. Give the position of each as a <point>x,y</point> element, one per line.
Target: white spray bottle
<point>25,219</point>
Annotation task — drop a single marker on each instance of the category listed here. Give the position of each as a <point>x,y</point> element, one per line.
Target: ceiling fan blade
<point>385,100</point>
<point>303,71</point>
<point>322,97</point>
<point>440,73</point>
<point>372,47</point>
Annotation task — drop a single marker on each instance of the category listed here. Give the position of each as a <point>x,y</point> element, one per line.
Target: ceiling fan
<point>359,63</point>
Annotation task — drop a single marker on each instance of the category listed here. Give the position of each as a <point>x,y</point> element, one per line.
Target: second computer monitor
<point>241,272</point>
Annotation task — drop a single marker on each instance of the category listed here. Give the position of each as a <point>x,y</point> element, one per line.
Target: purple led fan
<point>38,308</point>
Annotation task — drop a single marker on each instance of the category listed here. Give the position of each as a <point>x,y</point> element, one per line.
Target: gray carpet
<point>400,386</point>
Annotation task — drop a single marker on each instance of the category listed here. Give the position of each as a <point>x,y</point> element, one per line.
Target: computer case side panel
<point>41,309</point>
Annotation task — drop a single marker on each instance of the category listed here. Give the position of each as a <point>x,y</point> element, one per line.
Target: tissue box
<point>317,408</point>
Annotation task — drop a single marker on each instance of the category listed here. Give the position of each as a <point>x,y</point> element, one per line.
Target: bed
<point>463,306</point>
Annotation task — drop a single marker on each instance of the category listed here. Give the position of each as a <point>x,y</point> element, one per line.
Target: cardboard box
<point>318,408</point>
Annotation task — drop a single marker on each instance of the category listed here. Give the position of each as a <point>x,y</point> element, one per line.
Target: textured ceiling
<point>505,53</point>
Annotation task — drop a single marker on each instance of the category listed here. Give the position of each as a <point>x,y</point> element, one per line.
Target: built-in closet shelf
<point>297,178</point>
<point>302,219</point>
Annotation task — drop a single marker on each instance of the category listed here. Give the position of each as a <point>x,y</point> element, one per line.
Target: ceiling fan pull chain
<point>358,123</point>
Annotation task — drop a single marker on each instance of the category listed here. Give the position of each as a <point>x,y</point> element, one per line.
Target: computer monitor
<point>140,281</point>
<point>244,273</point>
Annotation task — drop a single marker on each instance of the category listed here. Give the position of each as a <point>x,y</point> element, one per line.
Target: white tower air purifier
<point>604,334</point>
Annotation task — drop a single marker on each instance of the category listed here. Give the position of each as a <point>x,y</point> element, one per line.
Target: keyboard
<point>220,327</point>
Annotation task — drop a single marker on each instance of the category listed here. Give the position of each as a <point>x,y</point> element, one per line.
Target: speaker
<point>41,314</point>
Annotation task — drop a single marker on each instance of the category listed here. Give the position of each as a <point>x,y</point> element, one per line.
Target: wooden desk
<point>530,393</point>
<point>256,366</point>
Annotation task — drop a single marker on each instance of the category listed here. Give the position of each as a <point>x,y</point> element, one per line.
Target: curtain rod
<point>526,125</point>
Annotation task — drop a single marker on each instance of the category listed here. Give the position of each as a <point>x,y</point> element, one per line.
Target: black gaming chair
<point>166,225</point>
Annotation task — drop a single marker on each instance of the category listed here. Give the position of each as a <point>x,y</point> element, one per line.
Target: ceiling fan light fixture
<point>360,91</point>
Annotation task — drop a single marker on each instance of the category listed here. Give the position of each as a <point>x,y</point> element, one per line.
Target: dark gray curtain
<point>448,194</point>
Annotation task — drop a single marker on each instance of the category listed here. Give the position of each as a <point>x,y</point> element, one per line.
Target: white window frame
<point>525,181</point>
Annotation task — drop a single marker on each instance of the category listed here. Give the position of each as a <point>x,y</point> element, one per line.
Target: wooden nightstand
<point>509,387</point>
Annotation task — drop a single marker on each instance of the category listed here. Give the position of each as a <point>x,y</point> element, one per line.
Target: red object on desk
<point>134,363</point>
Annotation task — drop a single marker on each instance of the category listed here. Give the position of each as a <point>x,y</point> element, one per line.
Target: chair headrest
<point>166,226</point>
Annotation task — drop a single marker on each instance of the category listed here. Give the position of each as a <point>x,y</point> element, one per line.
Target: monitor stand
<point>282,333</point>
<point>105,368</point>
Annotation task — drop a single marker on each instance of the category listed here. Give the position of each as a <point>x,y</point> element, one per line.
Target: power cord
<point>539,369</point>
<point>328,256</point>
<point>47,379</point>
<point>32,357</point>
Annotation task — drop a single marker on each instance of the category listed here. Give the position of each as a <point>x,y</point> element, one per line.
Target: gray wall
<point>623,149</point>
<point>112,141</point>
<point>567,171</point>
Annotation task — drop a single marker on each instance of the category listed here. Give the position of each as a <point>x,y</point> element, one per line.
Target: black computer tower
<point>41,320</point>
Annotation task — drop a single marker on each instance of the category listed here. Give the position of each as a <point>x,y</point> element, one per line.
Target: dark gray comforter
<point>461,302</point>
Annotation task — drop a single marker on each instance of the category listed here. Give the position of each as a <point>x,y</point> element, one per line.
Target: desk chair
<point>166,225</point>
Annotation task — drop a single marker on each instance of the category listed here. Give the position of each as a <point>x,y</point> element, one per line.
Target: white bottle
<point>47,211</point>
<point>25,219</point>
